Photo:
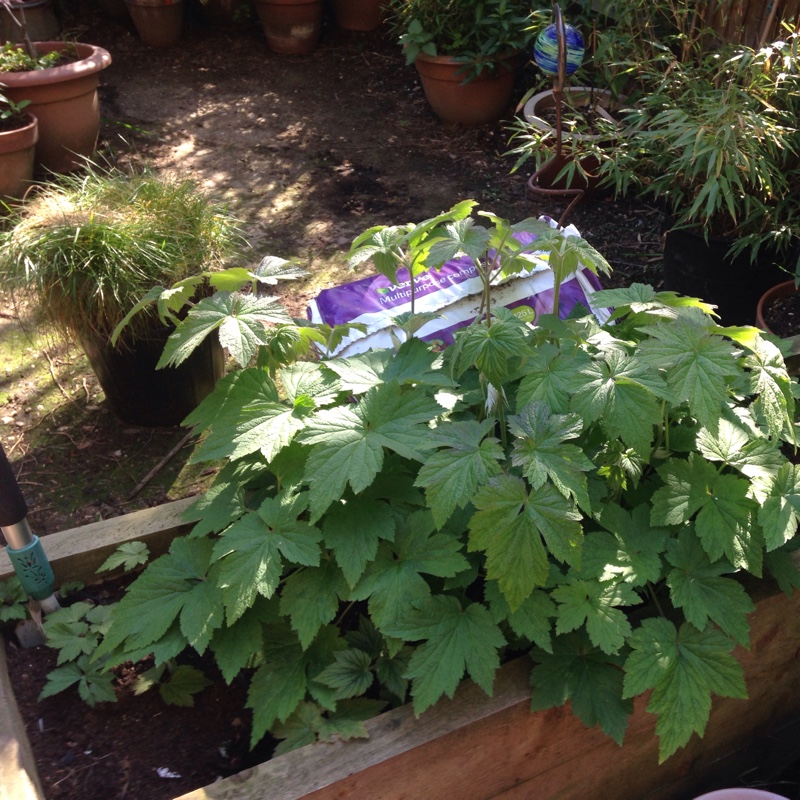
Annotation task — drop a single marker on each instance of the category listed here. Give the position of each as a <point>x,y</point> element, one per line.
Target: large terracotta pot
<point>159,23</point>
<point>64,100</point>
<point>471,104</point>
<point>292,27</point>
<point>358,15</point>
<point>16,159</point>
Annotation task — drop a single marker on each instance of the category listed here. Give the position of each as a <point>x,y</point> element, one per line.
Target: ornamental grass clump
<point>90,245</point>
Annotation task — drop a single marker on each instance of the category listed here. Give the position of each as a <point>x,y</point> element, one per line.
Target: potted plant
<point>592,126</point>
<point>392,522</point>
<point>718,148</point>
<point>291,27</point>
<point>40,21</point>
<point>466,53</point>
<point>711,138</point>
<point>159,23</point>
<point>88,247</point>
<point>358,15</point>
<point>19,132</point>
<point>60,81</point>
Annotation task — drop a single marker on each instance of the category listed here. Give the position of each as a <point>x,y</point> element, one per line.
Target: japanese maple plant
<point>387,524</point>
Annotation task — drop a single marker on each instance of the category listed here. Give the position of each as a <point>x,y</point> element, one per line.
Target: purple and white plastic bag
<point>454,292</point>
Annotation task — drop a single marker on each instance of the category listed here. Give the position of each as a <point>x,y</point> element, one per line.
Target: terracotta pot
<point>16,159</point>
<point>64,100</point>
<point>292,27</point>
<point>700,267</point>
<point>358,15</point>
<point>159,23</point>
<point>544,101</point>
<point>470,104</point>
<point>40,21</point>
<point>769,297</point>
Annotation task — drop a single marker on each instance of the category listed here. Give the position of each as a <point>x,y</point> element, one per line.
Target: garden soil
<point>308,152</point>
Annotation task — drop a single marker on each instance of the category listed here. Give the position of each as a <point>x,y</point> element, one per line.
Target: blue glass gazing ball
<point>545,50</point>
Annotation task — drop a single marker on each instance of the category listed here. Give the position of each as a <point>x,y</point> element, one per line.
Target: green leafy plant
<point>477,32</point>
<point>177,683</point>
<point>76,632</point>
<point>127,556</point>
<point>13,600</point>
<point>390,523</point>
<point>12,115</point>
<point>14,58</point>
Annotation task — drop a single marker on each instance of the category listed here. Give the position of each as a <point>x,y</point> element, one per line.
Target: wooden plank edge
<point>392,734</point>
<point>75,554</point>
<point>18,777</point>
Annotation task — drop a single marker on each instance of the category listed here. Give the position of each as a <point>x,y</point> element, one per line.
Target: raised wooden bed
<point>472,747</point>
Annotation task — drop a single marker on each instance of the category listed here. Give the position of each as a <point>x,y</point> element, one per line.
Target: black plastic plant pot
<point>700,268</point>
<point>139,394</point>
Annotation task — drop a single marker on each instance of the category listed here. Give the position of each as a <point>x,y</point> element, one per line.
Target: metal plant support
<point>558,95</point>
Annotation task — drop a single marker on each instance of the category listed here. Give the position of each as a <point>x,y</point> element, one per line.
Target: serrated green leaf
<point>725,512</point>
<point>350,674</point>
<point>780,508</point>
<point>60,678</point>
<point>308,378</point>
<point>491,348</point>
<point>239,318</point>
<point>235,646</point>
<point>542,451</point>
<point>416,363</point>
<point>252,550</point>
<point>160,596</point>
<point>696,363</point>
<point>551,377</point>
<point>391,671</point>
<point>631,551</point>
<point>276,690</point>
<point>614,394</point>
<point>347,721</point>
<point>467,458</point>
<point>181,686</point>
<point>697,586</point>
<point>532,620</point>
<point>349,442</point>
<point>393,581</point>
<point>770,382</point>
<point>683,668</point>
<point>590,679</point>
<point>310,598</point>
<point>596,605</point>
<point>512,526</point>
<point>300,728</point>
<point>128,555</point>
<point>71,639</point>
<point>359,374</point>
<point>352,529</point>
<point>457,640</point>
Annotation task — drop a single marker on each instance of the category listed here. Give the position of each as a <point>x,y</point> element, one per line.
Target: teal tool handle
<point>33,569</point>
